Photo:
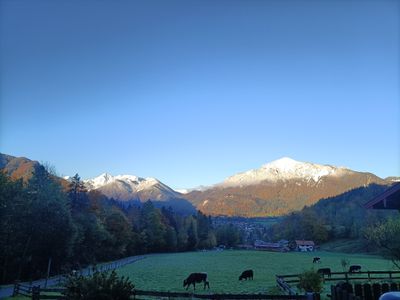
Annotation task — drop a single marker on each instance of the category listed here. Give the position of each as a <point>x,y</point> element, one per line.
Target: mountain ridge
<point>276,188</point>
<point>283,169</point>
<point>131,187</point>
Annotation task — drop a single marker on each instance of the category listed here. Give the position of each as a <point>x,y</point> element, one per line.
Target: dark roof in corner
<point>389,199</point>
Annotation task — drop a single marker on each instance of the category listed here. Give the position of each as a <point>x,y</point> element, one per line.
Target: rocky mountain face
<point>278,188</point>
<point>393,178</point>
<point>18,167</point>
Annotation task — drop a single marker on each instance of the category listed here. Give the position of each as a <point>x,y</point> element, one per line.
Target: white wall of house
<point>305,248</point>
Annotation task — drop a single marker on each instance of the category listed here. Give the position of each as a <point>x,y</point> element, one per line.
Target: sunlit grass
<point>166,272</point>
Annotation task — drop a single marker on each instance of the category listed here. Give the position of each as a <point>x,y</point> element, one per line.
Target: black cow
<point>248,274</point>
<point>196,278</point>
<point>316,260</point>
<point>354,268</point>
<point>325,271</point>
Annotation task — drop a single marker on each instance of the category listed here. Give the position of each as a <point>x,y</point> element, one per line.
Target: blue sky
<point>191,92</point>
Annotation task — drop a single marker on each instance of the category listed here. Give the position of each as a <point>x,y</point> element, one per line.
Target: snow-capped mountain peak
<point>135,182</point>
<point>134,189</point>
<point>130,187</point>
<point>99,181</point>
<point>284,163</point>
<point>284,169</point>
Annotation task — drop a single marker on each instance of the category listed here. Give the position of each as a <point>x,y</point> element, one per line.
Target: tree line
<point>340,217</point>
<point>42,220</point>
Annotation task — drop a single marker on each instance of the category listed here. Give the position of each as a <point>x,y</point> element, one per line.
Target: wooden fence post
<point>376,289</point>
<point>333,292</point>
<point>393,286</point>
<point>16,288</point>
<point>316,296</point>
<point>367,291</point>
<point>36,292</point>
<point>358,290</point>
<point>344,294</point>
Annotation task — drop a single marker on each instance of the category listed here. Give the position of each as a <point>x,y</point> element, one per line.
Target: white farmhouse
<point>305,246</point>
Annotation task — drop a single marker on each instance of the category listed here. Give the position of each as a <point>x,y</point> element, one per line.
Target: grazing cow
<point>325,271</point>
<point>248,274</point>
<point>316,260</point>
<point>354,268</point>
<point>196,278</point>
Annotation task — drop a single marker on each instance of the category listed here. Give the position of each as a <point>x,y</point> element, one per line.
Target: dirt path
<point>7,291</point>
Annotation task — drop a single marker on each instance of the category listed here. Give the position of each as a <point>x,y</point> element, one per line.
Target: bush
<point>310,281</point>
<point>99,286</point>
<point>345,263</point>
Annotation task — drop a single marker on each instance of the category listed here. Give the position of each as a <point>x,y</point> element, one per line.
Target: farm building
<point>284,243</point>
<point>305,246</point>
<point>389,199</point>
<point>266,246</point>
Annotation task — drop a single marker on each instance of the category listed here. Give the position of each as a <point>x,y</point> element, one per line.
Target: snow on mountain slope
<point>134,189</point>
<point>130,187</point>
<point>278,188</point>
<point>284,169</point>
<point>135,182</point>
<point>197,188</point>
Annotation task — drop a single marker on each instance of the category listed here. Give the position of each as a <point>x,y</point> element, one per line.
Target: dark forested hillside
<point>342,216</point>
<point>41,220</point>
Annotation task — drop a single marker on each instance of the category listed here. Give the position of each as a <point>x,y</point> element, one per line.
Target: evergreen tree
<point>153,228</point>
<point>77,194</point>
<point>14,211</point>
<point>51,230</point>
<point>193,239</point>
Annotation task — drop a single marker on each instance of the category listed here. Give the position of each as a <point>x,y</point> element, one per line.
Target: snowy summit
<point>134,182</point>
<point>284,169</point>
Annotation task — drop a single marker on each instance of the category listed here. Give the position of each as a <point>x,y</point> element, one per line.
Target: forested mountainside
<point>343,216</point>
<point>42,219</point>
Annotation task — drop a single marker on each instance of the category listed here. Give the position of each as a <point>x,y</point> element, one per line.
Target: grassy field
<point>165,272</point>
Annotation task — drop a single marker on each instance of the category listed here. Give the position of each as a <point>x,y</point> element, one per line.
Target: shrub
<point>310,281</point>
<point>345,263</point>
<point>99,286</point>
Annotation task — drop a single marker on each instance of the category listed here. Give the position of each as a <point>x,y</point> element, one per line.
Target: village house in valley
<point>281,246</point>
<point>304,246</point>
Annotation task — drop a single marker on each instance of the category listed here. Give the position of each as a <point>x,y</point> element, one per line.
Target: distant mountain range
<point>276,188</point>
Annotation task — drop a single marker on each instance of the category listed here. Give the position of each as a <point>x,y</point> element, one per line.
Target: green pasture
<point>166,272</point>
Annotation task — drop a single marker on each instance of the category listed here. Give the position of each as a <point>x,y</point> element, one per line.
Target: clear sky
<point>191,92</point>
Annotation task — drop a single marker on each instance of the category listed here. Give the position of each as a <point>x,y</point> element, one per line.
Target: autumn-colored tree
<point>386,235</point>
